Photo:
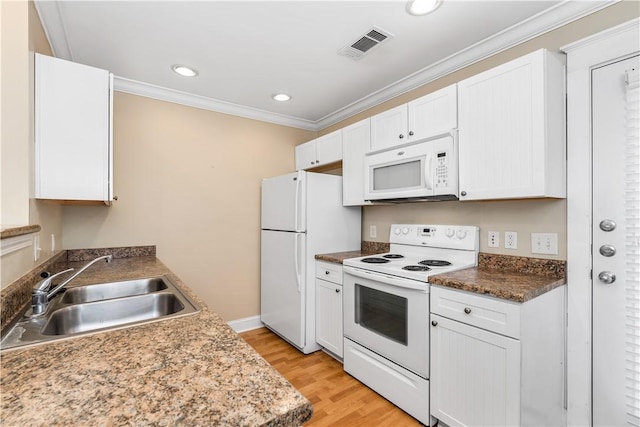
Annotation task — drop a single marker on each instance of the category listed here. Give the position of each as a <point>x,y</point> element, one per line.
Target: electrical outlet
<point>493,240</point>
<point>373,231</point>
<point>510,240</point>
<point>544,243</point>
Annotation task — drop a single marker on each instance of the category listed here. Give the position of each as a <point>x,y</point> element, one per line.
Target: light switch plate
<point>544,243</point>
<point>373,231</point>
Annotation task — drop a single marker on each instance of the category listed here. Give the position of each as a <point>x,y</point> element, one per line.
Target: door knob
<point>607,277</point>
<point>607,250</point>
<point>607,225</point>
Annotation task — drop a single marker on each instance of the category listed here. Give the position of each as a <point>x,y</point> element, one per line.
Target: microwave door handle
<point>428,172</point>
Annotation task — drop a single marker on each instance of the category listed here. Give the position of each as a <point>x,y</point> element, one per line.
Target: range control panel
<point>443,236</point>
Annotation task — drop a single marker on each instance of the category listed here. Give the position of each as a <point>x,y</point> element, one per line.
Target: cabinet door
<point>306,155</point>
<point>355,142</point>
<point>504,136</point>
<point>329,148</point>
<point>389,128</point>
<point>329,333</point>
<point>475,375</point>
<point>73,150</point>
<point>433,114</point>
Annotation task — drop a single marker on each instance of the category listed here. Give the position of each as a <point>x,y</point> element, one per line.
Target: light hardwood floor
<point>338,399</point>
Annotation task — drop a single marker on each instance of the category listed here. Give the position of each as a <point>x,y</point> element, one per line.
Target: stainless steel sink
<point>102,291</point>
<point>100,307</point>
<point>110,313</point>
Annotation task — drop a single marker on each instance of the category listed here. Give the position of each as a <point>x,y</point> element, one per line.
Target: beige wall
<point>523,216</point>
<point>22,34</point>
<point>188,181</point>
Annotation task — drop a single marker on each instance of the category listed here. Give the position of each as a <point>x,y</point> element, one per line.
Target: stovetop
<point>419,251</point>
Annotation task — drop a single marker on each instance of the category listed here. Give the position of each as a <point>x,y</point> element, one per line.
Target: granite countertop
<point>191,370</point>
<point>518,279</point>
<point>367,248</point>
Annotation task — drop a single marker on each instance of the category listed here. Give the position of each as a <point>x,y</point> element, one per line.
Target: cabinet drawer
<point>329,271</point>
<point>492,314</point>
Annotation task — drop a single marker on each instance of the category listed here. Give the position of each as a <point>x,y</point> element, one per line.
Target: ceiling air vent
<point>374,37</point>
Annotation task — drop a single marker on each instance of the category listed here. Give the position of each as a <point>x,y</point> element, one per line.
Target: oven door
<point>389,316</point>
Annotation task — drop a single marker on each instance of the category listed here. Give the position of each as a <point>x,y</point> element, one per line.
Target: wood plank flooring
<point>338,399</point>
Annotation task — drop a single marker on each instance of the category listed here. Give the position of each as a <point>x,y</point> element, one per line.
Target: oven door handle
<point>386,279</point>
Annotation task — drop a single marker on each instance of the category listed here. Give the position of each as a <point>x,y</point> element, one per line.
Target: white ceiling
<point>245,51</point>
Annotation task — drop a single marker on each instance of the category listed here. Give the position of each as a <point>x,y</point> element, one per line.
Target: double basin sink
<point>99,307</point>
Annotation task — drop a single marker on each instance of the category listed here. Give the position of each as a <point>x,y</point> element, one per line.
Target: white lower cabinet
<point>496,362</point>
<point>329,326</point>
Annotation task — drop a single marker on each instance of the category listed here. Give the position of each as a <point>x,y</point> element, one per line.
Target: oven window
<point>401,175</point>
<point>382,313</point>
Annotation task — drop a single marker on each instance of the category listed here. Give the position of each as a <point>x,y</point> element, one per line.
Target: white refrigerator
<point>302,215</point>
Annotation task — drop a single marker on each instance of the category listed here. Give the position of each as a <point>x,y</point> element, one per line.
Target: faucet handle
<point>43,285</point>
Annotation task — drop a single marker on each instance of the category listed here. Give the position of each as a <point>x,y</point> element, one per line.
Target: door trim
<point>608,46</point>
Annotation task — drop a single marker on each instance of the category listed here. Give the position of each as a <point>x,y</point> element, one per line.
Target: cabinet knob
<point>337,291</point>
<point>115,197</point>
<point>410,133</point>
<point>313,163</point>
<point>317,161</point>
<point>463,193</point>
<point>467,310</point>
<point>434,323</point>
<point>401,136</point>
<point>327,272</point>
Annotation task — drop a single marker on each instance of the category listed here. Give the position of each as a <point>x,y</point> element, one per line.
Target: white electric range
<point>386,309</point>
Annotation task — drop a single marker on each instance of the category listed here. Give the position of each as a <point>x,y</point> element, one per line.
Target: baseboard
<point>246,324</point>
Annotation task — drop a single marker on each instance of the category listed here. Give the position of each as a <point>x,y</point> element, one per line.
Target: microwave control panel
<point>442,169</point>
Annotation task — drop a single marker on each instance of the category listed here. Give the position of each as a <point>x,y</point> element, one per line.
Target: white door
<point>616,245</point>
<point>282,202</point>
<point>282,290</point>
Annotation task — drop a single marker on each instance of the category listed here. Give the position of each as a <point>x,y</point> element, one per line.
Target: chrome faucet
<point>41,295</point>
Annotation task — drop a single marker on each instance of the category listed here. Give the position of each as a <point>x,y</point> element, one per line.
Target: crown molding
<point>555,17</point>
<point>134,87</point>
<point>551,19</point>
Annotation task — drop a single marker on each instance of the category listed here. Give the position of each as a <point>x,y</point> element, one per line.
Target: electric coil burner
<point>416,268</point>
<point>374,260</point>
<point>435,263</point>
<point>393,256</point>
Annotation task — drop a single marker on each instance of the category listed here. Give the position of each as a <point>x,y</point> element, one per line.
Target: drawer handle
<point>434,323</point>
<point>467,310</point>
<point>327,272</point>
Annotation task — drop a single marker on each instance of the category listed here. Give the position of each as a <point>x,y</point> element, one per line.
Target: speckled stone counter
<point>191,370</point>
<point>516,279</point>
<point>368,248</point>
<point>6,233</point>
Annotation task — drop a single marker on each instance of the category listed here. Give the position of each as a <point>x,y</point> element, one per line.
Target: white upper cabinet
<point>511,130</point>
<point>355,142</point>
<point>431,115</point>
<point>73,131</point>
<point>319,152</point>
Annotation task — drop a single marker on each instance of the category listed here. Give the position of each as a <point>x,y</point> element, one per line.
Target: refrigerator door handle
<point>298,178</point>
<point>296,260</point>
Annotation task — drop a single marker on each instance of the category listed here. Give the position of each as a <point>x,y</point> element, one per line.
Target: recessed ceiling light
<point>184,71</point>
<point>281,97</point>
<point>422,7</point>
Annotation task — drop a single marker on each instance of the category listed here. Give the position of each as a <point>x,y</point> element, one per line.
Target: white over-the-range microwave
<point>424,170</point>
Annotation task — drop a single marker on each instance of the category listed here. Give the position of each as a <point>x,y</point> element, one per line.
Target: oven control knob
<point>405,230</point>
<point>396,231</point>
<point>461,234</point>
<point>450,232</point>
